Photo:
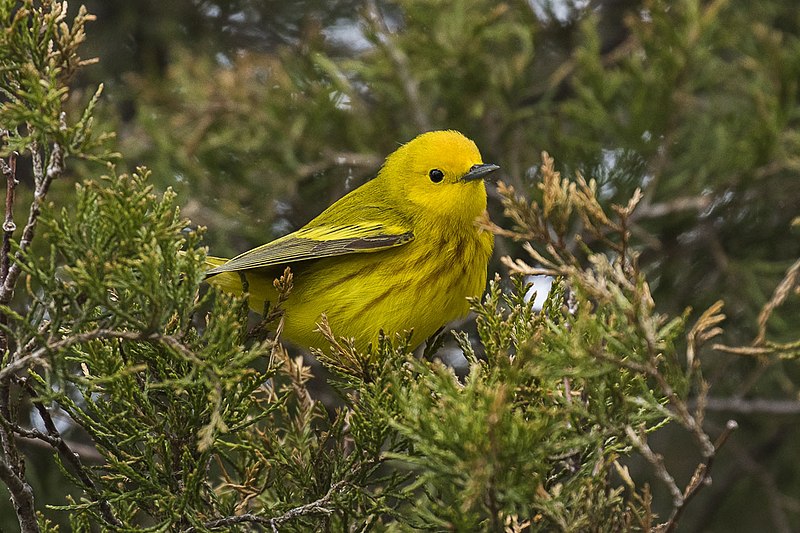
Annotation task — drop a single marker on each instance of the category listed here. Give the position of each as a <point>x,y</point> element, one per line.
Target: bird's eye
<point>436,175</point>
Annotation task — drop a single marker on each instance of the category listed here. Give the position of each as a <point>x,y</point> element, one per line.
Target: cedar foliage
<point>188,418</point>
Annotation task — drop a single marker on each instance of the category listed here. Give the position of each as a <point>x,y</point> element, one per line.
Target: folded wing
<point>317,242</point>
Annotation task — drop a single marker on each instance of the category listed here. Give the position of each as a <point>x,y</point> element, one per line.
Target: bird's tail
<point>227,281</point>
<point>213,262</point>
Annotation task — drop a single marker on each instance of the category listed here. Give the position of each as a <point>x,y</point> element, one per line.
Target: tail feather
<point>259,286</point>
<point>214,262</point>
<point>227,281</point>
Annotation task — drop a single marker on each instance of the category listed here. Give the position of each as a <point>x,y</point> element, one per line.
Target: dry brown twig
<point>316,507</point>
<point>12,467</point>
<point>56,441</point>
<point>9,227</point>
<point>761,346</point>
<point>606,280</point>
<point>782,291</point>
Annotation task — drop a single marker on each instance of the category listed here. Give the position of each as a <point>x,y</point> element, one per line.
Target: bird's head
<point>439,173</point>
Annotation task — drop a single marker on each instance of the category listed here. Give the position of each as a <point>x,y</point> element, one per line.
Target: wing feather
<point>315,242</point>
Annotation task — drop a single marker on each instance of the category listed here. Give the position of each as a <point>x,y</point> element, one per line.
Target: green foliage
<point>127,365</point>
<point>234,172</point>
<point>195,424</point>
<point>187,418</point>
<point>39,55</point>
<point>694,102</point>
<point>566,381</point>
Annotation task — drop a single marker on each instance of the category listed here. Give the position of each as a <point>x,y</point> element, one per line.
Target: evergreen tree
<point>672,199</point>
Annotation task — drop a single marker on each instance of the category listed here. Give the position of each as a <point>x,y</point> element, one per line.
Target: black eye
<point>436,175</point>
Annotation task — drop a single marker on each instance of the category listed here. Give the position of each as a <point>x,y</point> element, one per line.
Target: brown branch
<point>784,351</point>
<point>37,355</point>
<point>338,159</point>
<point>21,496</point>
<point>685,417</point>
<point>685,203</point>
<point>783,289</point>
<point>657,462</point>
<point>10,172</point>
<point>87,452</point>
<point>753,406</point>
<point>42,180</point>
<point>700,479</point>
<point>12,467</point>
<point>53,437</point>
<point>316,507</point>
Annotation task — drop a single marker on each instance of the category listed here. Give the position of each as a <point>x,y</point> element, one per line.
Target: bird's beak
<point>478,172</point>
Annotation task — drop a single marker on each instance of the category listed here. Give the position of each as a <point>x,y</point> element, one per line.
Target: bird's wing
<point>324,240</point>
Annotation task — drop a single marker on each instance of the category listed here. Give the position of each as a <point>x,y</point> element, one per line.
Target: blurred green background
<point>262,113</point>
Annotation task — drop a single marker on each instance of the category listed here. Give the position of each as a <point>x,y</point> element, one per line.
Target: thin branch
<point>22,497</point>
<point>316,507</point>
<point>700,479</point>
<point>783,289</point>
<point>676,205</point>
<point>753,406</point>
<point>10,172</point>
<point>54,438</point>
<point>42,180</point>
<point>87,452</point>
<point>657,462</point>
<point>685,417</point>
<point>338,159</point>
<point>789,350</point>
<point>38,355</point>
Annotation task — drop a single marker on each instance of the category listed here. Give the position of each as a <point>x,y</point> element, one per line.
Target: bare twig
<point>53,437</point>
<point>685,417</point>
<point>338,159</point>
<point>783,289</point>
<point>21,496</point>
<point>657,462</point>
<point>784,351</point>
<point>87,452</point>
<point>753,406</point>
<point>316,507</point>
<point>42,180</point>
<point>700,479</point>
<point>38,355</point>
<point>12,466</point>
<point>676,205</point>
<point>10,172</point>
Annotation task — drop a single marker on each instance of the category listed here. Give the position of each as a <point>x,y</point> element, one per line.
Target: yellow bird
<point>400,253</point>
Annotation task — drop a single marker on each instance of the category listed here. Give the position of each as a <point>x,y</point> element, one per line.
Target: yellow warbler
<point>400,253</point>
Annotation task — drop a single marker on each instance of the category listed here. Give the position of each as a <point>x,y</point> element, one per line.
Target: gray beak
<point>478,172</point>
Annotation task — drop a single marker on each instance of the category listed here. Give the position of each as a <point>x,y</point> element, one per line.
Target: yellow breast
<point>420,286</point>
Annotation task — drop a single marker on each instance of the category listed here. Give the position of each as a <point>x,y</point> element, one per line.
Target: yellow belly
<point>420,286</point>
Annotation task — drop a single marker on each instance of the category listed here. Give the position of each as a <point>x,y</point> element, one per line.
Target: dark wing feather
<point>318,242</point>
